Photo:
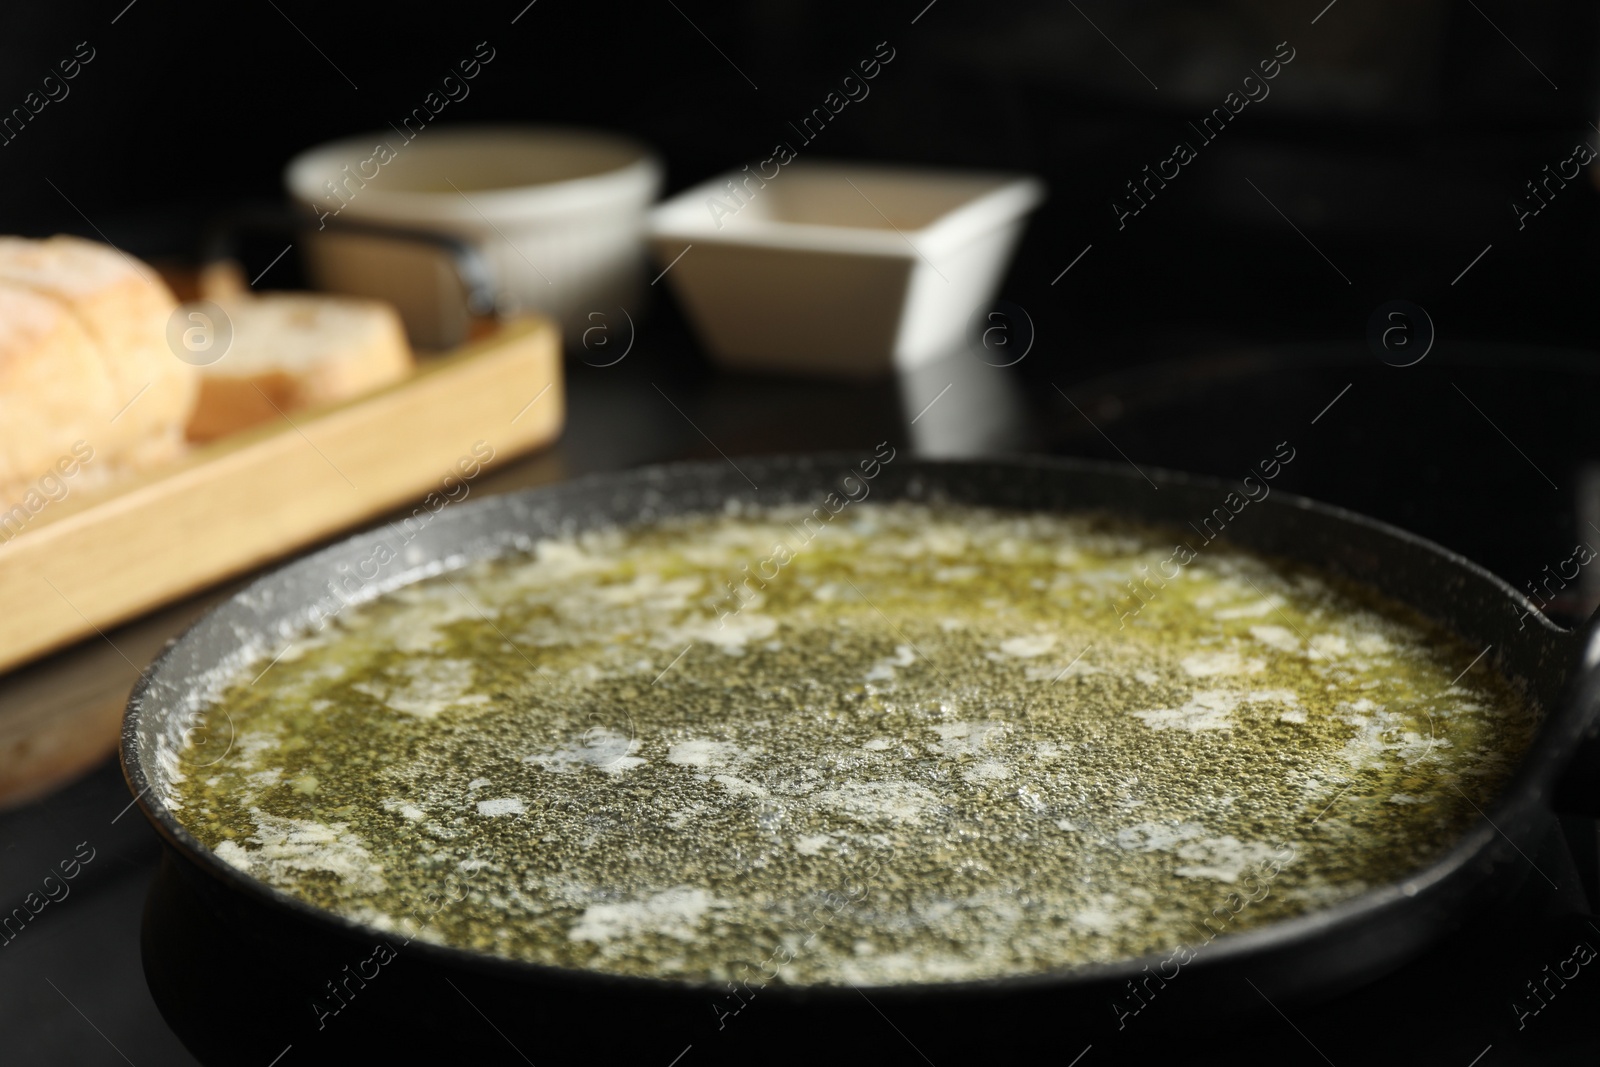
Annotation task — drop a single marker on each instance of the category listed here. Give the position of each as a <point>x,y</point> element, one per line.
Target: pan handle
<point>1576,790</point>
<point>1576,801</point>
<point>472,272</point>
<point>1577,786</point>
<point>1575,794</point>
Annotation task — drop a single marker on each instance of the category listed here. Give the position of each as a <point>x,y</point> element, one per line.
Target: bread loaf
<point>84,368</point>
<point>297,350</point>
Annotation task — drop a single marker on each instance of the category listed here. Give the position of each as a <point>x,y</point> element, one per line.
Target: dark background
<point>1383,165</point>
<point>1221,320</point>
<point>1396,140</point>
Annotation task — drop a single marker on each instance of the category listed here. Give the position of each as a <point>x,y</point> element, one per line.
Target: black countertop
<point>73,986</point>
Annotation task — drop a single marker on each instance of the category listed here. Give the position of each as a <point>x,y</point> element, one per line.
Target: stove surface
<point>1485,450</point>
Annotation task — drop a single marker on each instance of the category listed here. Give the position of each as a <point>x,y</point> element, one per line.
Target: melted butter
<point>928,747</point>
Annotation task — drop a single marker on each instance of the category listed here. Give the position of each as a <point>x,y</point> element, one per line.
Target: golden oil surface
<point>919,744</point>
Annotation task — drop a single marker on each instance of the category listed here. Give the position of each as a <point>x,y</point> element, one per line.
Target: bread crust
<point>297,350</point>
<point>84,357</point>
<point>53,387</point>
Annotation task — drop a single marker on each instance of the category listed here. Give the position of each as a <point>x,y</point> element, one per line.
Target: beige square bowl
<point>839,269</point>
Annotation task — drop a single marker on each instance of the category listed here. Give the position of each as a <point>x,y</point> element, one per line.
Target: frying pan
<point>555,1015</point>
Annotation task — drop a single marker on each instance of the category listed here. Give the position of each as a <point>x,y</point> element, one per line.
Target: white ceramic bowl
<point>836,268</point>
<point>557,213</point>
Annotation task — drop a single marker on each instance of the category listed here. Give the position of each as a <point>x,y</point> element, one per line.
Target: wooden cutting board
<point>89,562</point>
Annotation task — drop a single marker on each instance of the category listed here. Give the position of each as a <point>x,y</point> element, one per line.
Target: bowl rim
<point>1009,197</point>
<point>637,179</point>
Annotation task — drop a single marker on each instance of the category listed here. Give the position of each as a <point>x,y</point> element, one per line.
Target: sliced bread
<point>297,350</point>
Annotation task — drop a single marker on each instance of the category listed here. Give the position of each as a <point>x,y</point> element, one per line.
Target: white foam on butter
<point>963,573</point>
<point>559,560</point>
<point>1245,611</point>
<point>430,687</point>
<point>884,670</point>
<point>1278,637</point>
<point>1105,916</point>
<point>940,539</point>
<point>700,753</point>
<point>1222,859</point>
<point>731,633</point>
<point>958,739</point>
<point>675,913</point>
<point>881,801</point>
<point>250,745</point>
<point>650,590</point>
<point>1157,836</point>
<point>1049,672</point>
<point>402,807</point>
<point>502,806</point>
<point>1028,645</point>
<point>896,968</point>
<point>1330,646</point>
<point>813,844</point>
<point>1370,644</point>
<point>1210,663</point>
<point>418,627</point>
<point>284,848</point>
<point>1379,731</point>
<point>1209,709</point>
<point>600,748</point>
<point>739,786</point>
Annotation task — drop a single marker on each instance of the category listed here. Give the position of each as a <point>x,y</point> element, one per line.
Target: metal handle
<point>222,241</point>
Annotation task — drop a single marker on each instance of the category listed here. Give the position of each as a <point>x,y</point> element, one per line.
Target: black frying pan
<point>437,994</point>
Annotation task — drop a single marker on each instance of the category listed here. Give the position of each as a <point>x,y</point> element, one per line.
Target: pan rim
<point>1517,798</point>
